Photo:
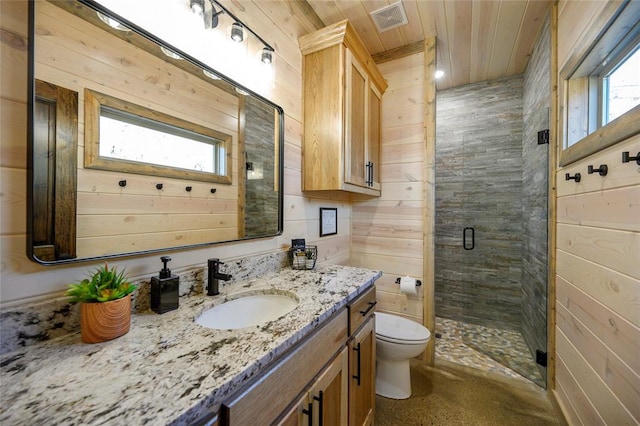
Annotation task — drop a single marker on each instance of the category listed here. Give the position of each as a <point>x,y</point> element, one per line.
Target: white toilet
<point>397,341</point>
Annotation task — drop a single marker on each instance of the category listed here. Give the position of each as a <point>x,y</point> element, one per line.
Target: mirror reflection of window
<point>130,137</point>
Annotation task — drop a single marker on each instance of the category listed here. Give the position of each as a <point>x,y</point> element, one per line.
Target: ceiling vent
<point>389,17</point>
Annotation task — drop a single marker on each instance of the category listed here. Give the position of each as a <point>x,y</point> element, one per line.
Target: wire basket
<point>303,259</point>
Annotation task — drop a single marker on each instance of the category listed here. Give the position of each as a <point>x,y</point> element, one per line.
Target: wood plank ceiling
<point>477,39</point>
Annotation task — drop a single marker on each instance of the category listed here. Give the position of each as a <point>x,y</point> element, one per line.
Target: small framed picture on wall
<point>328,221</point>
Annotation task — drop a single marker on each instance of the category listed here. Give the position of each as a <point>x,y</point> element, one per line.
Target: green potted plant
<point>105,304</point>
<point>311,257</point>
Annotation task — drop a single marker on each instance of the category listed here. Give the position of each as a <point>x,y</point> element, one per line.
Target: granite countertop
<point>168,369</point>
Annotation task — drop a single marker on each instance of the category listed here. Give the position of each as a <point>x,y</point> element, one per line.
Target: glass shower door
<point>492,249</point>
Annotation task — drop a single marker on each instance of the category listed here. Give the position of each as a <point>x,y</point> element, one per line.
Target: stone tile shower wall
<point>536,95</point>
<point>261,200</point>
<point>479,184</point>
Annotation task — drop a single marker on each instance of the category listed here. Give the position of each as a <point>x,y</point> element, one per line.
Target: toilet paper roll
<point>408,285</point>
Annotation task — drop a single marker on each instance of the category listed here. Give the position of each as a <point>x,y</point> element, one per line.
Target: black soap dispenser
<point>164,289</point>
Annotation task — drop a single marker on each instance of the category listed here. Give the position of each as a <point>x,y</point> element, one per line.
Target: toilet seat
<point>395,329</point>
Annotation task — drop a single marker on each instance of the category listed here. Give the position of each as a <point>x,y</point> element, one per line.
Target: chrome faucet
<point>214,276</point>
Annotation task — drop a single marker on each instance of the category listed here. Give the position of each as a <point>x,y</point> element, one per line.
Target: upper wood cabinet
<point>342,112</point>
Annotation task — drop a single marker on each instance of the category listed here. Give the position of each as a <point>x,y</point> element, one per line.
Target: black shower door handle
<point>464,238</point>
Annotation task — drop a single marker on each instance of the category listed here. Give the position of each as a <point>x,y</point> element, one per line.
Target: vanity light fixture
<point>267,55</point>
<point>237,33</point>
<point>237,27</point>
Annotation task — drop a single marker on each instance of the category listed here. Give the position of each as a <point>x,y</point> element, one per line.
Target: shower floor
<point>508,349</point>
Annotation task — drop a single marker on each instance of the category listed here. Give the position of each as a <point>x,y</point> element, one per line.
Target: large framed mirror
<point>137,147</point>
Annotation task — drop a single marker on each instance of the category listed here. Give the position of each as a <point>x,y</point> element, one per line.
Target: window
<point>621,87</point>
<point>127,136</point>
<point>124,137</point>
<point>601,87</point>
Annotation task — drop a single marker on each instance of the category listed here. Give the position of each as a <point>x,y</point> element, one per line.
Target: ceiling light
<point>237,34</point>
<point>439,74</point>
<point>267,55</point>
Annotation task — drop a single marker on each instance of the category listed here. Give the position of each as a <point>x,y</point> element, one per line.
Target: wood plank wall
<point>280,23</point>
<point>597,332</point>
<point>388,232</point>
<point>110,218</point>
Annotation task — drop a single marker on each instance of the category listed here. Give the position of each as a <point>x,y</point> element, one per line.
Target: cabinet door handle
<point>319,399</point>
<point>309,413</point>
<point>371,174</point>
<point>366,311</point>
<point>357,376</point>
<point>367,173</point>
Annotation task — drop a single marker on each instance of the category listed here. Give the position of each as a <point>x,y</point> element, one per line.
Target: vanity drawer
<point>361,309</point>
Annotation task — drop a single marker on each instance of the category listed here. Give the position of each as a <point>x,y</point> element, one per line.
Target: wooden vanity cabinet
<point>362,360</point>
<point>326,402</point>
<point>342,112</point>
<point>266,400</point>
<point>328,379</point>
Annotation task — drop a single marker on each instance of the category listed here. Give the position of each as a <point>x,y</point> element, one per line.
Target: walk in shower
<point>491,220</point>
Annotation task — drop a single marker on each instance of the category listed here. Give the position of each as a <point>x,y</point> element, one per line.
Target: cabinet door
<point>296,415</point>
<point>356,122</point>
<point>362,375</point>
<point>374,137</point>
<point>329,394</point>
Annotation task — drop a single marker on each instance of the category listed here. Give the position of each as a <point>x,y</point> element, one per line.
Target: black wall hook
<point>213,190</point>
<point>626,158</point>
<point>602,170</point>
<point>159,186</point>
<point>575,177</point>
<point>188,188</point>
<point>122,183</point>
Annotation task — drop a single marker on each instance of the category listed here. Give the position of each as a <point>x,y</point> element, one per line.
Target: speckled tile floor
<point>468,345</point>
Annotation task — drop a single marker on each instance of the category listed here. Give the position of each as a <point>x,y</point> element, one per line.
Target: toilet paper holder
<point>418,282</point>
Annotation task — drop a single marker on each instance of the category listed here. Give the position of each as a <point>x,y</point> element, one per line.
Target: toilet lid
<point>395,328</point>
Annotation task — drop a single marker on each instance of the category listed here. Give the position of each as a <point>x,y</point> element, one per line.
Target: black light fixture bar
<point>235,19</point>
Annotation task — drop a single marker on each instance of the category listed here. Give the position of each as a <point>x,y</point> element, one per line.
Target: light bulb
<point>438,74</point>
<point>170,53</point>
<point>237,33</point>
<point>267,55</point>
<point>197,6</point>
<point>112,22</point>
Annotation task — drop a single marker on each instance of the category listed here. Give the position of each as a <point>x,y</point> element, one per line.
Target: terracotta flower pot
<point>102,321</point>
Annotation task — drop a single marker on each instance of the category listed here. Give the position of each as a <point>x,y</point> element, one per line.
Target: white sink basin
<point>248,310</point>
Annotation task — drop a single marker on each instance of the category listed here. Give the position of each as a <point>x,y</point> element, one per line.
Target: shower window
<point>602,89</point>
